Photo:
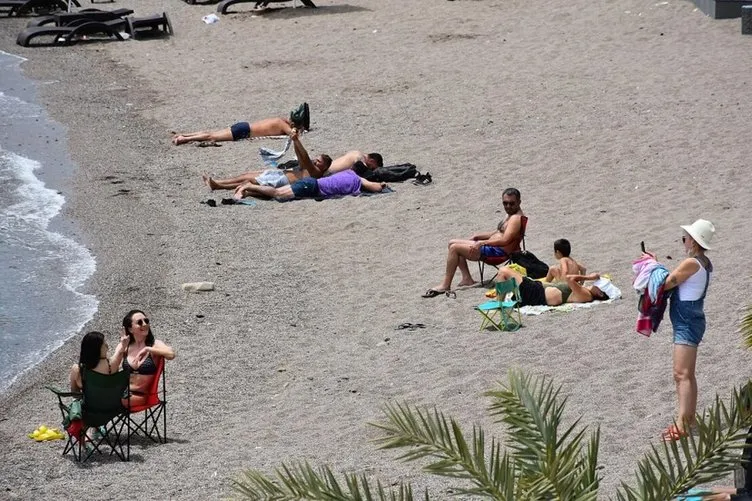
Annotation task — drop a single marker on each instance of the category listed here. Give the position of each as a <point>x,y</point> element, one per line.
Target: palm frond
<point>675,467</point>
<point>745,328</point>
<point>551,462</point>
<point>430,434</point>
<point>302,481</point>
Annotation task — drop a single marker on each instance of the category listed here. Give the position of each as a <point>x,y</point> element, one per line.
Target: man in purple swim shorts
<point>337,185</point>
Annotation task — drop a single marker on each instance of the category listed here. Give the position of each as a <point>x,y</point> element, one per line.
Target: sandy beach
<point>618,121</point>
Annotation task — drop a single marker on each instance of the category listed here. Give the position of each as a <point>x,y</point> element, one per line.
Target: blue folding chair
<point>501,312</point>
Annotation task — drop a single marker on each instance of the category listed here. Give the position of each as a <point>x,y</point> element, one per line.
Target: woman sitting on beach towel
<point>142,355</point>
<point>534,293</point>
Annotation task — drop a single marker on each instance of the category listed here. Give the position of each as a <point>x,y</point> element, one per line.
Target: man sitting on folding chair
<point>500,243</point>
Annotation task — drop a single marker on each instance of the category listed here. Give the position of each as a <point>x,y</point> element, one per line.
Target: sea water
<point>42,268</point>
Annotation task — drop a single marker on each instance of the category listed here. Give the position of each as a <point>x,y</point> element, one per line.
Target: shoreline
<point>288,358</point>
<point>36,148</point>
<point>56,100</point>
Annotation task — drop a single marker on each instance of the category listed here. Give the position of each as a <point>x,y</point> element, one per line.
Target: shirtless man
<point>337,185</point>
<point>566,264</point>
<point>348,160</point>
<point>502,242</point>
<point>244,130</point>
<point>276,178</point>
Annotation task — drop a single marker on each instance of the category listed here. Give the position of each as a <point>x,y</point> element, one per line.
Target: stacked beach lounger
<point>69,27</point>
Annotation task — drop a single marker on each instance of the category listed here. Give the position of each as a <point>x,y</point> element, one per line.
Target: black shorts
<point>240,130</point>
<point>532,292</point>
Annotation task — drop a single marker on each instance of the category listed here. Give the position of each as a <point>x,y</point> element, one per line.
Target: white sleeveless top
<point>692,288</point>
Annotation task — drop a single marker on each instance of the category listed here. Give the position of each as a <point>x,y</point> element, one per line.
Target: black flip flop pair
<point>409,326</point>
<point>423,179</point>
<point>433,293</point>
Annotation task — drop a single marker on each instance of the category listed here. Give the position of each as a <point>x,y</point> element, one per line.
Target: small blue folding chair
<point>501,312</point>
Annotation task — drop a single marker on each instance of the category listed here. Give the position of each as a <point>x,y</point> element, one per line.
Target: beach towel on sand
<point>603,283</point>
<point>270,156</point>
<point>537,310</point>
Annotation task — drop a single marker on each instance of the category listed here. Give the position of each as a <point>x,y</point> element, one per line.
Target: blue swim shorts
<point>240,130</point>
<point>307,187</point>
<point>491,251</point>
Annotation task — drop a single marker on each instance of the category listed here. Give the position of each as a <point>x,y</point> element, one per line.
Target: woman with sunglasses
<point>142,356</point>
<point>690,282</point>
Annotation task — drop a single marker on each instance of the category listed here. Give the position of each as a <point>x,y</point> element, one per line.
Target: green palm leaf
<point>429,434</point>
<point>746,328</point>
<point>553,464</point>
<point>301,481</point>
<point>706,456</point>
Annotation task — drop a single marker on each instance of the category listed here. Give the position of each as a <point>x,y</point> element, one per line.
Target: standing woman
<point>142,356</point>
<point>690,279</point>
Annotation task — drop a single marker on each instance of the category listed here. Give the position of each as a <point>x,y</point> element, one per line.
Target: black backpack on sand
<point>534,266</point>
<point>386,174</point>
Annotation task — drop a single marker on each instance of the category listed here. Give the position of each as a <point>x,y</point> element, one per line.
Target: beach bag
<point>289,165</point>
<point>386,174</point>
<point>534,266</point>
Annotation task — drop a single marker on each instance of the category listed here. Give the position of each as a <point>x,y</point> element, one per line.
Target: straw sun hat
<point>701,232</point>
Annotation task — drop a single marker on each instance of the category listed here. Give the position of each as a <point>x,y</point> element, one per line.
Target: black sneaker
<point>301,117</point>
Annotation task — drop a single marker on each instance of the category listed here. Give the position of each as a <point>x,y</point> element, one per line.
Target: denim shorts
<point>688,321</point>
<point>307,187</point>
<point>240,130</point>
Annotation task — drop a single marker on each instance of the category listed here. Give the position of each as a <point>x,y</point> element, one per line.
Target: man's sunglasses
<point>142,321</point>
<point>508,204</point>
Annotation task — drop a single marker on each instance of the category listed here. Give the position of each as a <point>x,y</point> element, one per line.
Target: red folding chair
<point>154,409</point>
<point>497,261</point>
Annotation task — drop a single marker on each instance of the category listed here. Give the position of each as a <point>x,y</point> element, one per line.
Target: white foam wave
<point>15,107</point>
<point>38,204</point>
<point>19,58</point>
<point>36,207</point>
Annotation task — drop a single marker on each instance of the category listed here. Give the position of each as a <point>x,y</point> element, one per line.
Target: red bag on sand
<point>75,428</point>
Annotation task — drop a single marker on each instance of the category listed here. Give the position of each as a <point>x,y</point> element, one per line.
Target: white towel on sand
<point>537,310</point>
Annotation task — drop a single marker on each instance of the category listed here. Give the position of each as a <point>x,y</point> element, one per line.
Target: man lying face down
<point>337,185</point>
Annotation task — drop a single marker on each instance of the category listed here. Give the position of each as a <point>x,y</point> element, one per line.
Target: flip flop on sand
<point>410,326</point>
<point>673,433</point>
<point>423,179</point>
<point>433,293</point>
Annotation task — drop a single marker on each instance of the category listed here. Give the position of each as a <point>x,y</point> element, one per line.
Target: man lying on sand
<point>337,185</point>
<point>566,264</point>
<point>276,178</point>
<point>244,130</point>
<point>504,241</point>
<point>535,293</point>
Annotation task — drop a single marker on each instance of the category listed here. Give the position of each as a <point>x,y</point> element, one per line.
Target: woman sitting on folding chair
<point>141,358</point>
<point>534,293</point>
<point>93,356</point>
